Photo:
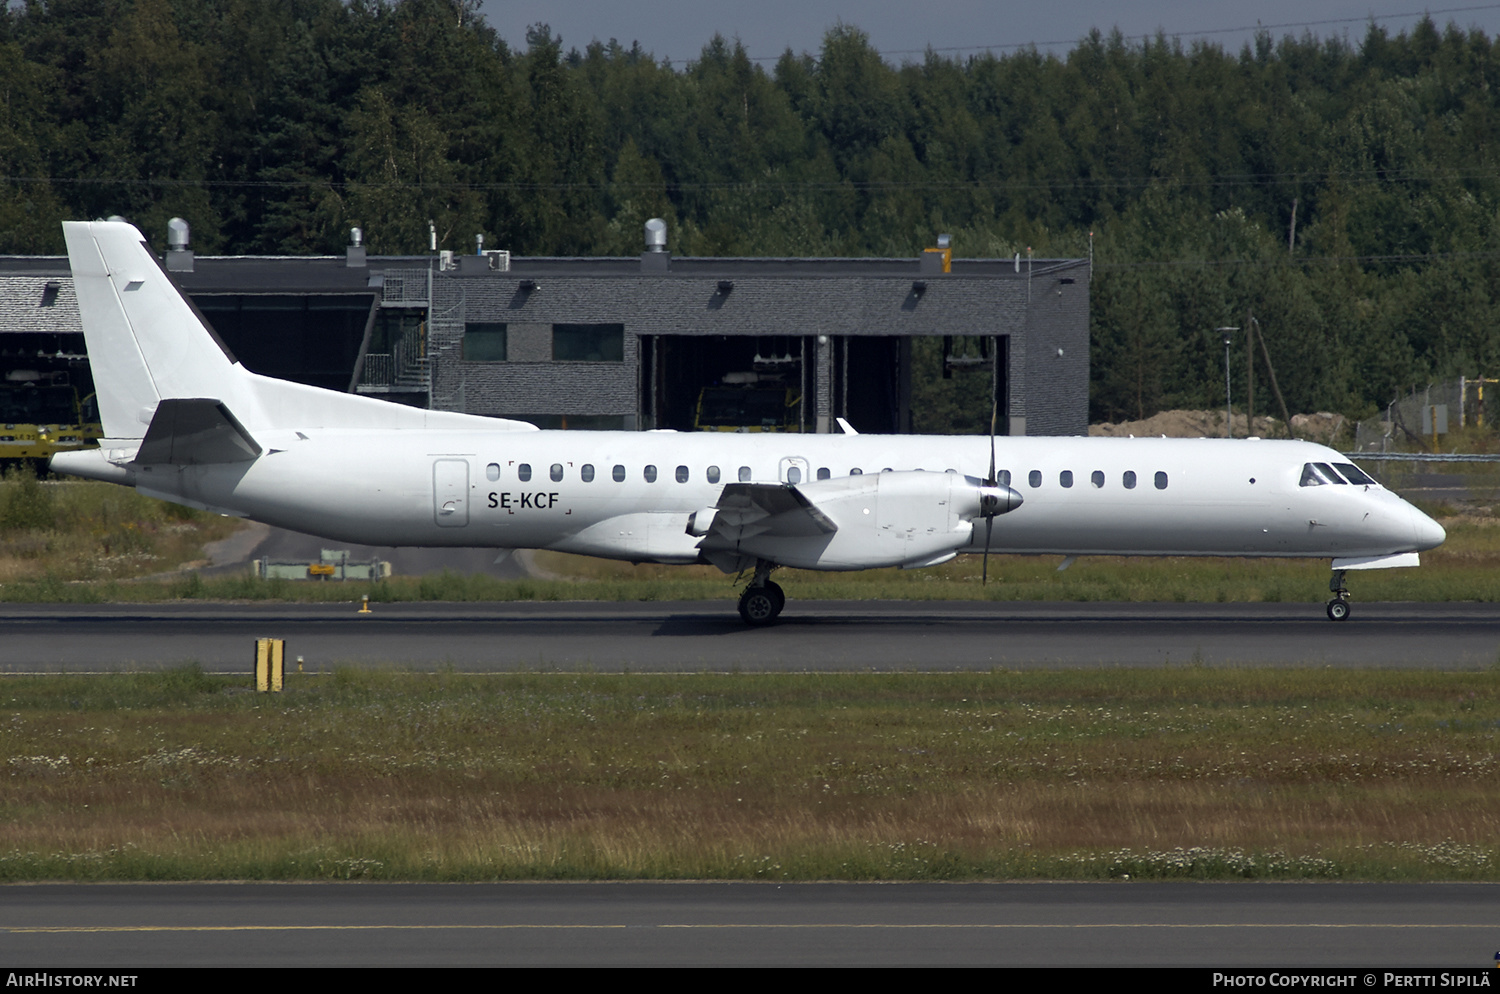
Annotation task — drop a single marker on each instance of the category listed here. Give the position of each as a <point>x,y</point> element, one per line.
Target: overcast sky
<point>902,29</point>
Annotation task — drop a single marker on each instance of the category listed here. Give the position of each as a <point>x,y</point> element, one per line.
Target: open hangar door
<point>727,383</point>
<point>772,383</point>
<point>872,383</point>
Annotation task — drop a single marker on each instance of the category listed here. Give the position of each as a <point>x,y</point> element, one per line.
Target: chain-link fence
<point>1411,446</point>
<point>1418,421</point>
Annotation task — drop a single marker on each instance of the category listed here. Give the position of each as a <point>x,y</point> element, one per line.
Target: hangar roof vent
<point>656,258</point>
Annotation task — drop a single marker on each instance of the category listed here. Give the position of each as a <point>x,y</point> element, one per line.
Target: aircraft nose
<point>1429,533</point>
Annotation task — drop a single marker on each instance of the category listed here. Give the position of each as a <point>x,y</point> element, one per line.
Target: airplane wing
<point>747,510</point>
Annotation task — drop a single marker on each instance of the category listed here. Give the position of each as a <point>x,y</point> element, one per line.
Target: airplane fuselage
<point>630,495</point>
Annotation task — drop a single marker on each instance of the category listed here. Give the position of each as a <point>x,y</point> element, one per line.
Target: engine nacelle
<point>915,518</point>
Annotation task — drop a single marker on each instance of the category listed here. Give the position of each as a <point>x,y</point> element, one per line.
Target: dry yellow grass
<point>399,776</point>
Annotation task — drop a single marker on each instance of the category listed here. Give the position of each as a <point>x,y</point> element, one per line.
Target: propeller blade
<point>989,526</point>
<point>989,519</point>
<point>994,414</point>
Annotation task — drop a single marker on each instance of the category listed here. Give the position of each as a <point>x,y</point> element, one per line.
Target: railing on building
<point>404,369</point>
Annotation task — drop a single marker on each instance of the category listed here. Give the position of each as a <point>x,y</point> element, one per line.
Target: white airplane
<point>185,422</point>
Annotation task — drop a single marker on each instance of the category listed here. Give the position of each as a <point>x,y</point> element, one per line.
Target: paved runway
<point>696,636</point>
<point>1362,926</point>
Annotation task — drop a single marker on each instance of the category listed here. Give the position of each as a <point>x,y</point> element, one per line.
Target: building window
<point>588,343</point>
<point>484,341</point>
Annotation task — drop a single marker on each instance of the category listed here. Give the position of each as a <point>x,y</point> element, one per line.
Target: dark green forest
<point>1345,193</point>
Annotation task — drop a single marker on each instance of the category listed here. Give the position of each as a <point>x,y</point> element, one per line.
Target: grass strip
<point>1151,774</point>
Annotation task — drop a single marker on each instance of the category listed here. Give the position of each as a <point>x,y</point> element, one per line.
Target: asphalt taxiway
<point>1364,927</point>
<point>698,636</point>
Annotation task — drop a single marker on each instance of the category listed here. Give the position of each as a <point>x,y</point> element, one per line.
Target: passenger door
<point>450,492</point>
<point>794,469</point>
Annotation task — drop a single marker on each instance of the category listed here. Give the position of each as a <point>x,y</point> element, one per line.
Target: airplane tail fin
<point>145,339</point>
<point>148,344</point>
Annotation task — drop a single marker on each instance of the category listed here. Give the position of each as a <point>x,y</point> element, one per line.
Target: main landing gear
<point>762,601</point>
<point>1338,607</point>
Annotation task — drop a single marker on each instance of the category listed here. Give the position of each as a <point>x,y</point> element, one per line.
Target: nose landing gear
<point>1338,607</point>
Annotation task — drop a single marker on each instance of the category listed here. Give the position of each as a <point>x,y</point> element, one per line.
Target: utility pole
<point>1271,372</point>
<point>1228,334</point>
<point>1249,374</point>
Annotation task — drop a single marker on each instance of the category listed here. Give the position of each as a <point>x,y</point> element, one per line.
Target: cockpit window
<point>1316,474</point>
<point>1331,473</point>
<point>1354,474</point>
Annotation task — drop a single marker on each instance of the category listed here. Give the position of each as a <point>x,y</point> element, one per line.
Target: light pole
<point>1228,334</point>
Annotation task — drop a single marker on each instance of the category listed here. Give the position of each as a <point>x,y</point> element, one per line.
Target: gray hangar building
<point>625,343</point>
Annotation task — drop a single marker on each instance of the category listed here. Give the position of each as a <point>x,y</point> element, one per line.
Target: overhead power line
<point>1205,33</point>
<point>1051,185</point>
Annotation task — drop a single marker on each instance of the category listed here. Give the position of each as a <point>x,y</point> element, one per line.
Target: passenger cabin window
<point>1097,479</point>
<point>793,474</point>
<point>823,473</point>
<point>682,474</point>
<point>1354,474</point>
<point>1034,478</point>
<point>523,472</point>
<point>650,474</point>
<point>556,472</point>
<point>713,474</point>
<point>586,472</point>
<point>1128,480</point>
<point>618,474</point>
<point>856,471</point>
<point>744,474</point>
<point>1161,481</point>
<point>1003,477</point>
<point>1065,478</point>
<point>492,472</point>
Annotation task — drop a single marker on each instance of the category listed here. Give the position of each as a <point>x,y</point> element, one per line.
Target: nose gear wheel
<point>1338,608</point>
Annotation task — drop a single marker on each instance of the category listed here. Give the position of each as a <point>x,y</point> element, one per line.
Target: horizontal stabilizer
<point>195,431</point>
